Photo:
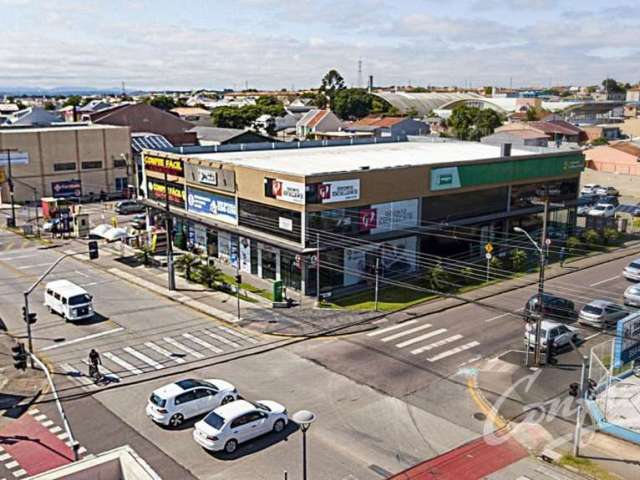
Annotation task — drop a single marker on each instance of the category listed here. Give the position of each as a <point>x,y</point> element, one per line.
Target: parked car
<point>636,211</point>
<point>228,426</point>
<point>139,221</point>
<point>609,200</point>
<point>589,189</point>
<point>550,331</point>
<point>632,271</point>
<point>49,225</point>
<point>601,313</point>
<point>602,210</point>
<point>632,296</point>
<point>553,307</point>
<point>126,207</point>
<point>584,204</point>
<point>607,191</point>
<point>174,403</point>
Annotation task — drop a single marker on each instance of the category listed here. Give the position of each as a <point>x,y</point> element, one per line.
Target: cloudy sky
<point>158,44</point>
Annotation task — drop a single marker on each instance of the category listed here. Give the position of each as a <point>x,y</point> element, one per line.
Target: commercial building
<point>622,158</point>
<point>66,161</point>
<point>268,210</point>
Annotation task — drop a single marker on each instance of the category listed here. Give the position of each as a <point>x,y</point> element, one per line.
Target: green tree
<point>144,254</point>
<point>436,278</point>
<point>352,103</point>
<point>229,117</point>
<point>472,123</point>
<point>488,90</point>
<point>610,236</point>
<point>612,86</point>
<point>49,106</point>
<point>518,260</point>
<point>331,83</point>
<point>180,239</point>
<point>592,238</point>
<point>163,102</point>
<point>73,100</point>
<point>187,263</point>
<point>573,245</point>
<point>599,141</point>
<point>495,263</point>
<point>209,274</point>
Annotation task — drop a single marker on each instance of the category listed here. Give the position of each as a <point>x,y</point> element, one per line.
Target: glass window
<point>214,420</point>
<point>157,401</point>
<point>289,270</point>
<point>185,397</point>
<point>62,167</point>
<point>268,219</point>
<point>79,299</point>
<point>464,205</point>
<point>91,165</point>
<point>592,310</point>
<point>238,422</point>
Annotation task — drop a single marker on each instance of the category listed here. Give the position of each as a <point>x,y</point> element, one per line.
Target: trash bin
<point>277,291</point>
<point>10,223</point>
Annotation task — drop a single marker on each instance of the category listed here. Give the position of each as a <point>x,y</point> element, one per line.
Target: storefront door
<point>269,265</point>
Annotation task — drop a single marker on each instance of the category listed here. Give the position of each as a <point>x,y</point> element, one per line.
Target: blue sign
<point>218,207</point>
<point>627,346</point>
<point>66,188</point>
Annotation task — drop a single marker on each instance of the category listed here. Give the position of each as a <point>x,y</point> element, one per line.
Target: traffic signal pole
<point>543,263</point>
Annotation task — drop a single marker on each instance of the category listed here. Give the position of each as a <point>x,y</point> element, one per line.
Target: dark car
<point>609,200</point>
<point>553,308</point>
<point>126,207</point>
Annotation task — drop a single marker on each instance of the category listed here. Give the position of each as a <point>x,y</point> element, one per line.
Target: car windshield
<point>214,420</point>
<point>260,406</point>
<point>600,207</point>
<point>635,265</point>
<point>191,383</point>
<point>79,299</point>
<point>157,401</point>
<point>592,309</point>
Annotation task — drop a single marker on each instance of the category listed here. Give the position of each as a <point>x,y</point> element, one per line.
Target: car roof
<point>168,391</point>
<point>235,409</point>
<point>600,303</point>
<point>66,287</point>
<point>548,324</point>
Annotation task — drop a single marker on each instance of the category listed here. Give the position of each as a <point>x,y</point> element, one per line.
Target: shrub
<point>437,278</point>
<point>573,245</point>
<point>592,238</point>
<point>611,235</point>
<point>518,260</point>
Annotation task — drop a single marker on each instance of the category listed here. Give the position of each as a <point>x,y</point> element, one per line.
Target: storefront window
<point>212,243</point>
<point>524,196</point>
<point>269,262</point>
<point>289,270</point>
<point>464,205</point>
<point>272,220</point>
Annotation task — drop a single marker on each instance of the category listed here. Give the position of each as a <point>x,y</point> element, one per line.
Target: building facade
<point>66,161</point>
<point>272,213</point>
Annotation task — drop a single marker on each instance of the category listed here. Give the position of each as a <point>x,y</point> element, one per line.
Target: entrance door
<point>269,265</point>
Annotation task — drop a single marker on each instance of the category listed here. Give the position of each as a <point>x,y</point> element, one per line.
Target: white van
<point>68,299</point>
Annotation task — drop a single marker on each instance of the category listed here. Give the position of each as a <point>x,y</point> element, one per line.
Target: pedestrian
<point>563,254</point>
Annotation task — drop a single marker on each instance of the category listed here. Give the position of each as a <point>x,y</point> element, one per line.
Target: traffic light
<point>238,279</point>
<point>93,250</point>
<point>31,318</point>
<point>574,389</point>
<point>19,356</point>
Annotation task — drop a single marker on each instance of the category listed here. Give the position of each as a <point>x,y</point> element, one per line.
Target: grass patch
<point>389,300</point>
<point>587,467</point>
<point>248,287</point>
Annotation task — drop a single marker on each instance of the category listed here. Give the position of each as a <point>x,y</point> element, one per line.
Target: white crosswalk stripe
<point>182,347</point>
<point>397,326</point>
<point>406,332</point>
<point>55,429</point>
<point>33,411</point>
<point>63,435</point>
<point>104,371</point>
<point>162,351</point>
<point>221,339</point>
<point>202,343</point>
<point>141,356</point>
<point>4,457</point>
<point>440,343</point>
<point>47,424</point>
<point>74,372</point>
<point>123,363</point>
<point>40,418</point>
<point>237,334</point>
<point>420,338</point>
<point>19,473</point>
<point>453,351</point>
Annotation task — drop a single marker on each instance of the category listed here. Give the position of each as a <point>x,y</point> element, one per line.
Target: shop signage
<point>445,178</point>
<point>396,256</point>
<point>368,219</point>
<point>287,191</point>
<point>218,178</point>
<point>340,191</point>
<point>66,188</point>
<point>627,342</point>
<point>208,177</point>
<point>395,215</point>
<point>245,255</point>
<point>17,158</point>
<point>200,235</point>
<point>170,166</point>
<point>285,224</point>
<point>212,205</point>
<point>157,191</point>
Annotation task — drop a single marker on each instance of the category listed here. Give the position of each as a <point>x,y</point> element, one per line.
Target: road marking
<point>421,338</point>
<point>504,315</point>
<point>89,284</point>
<point>4,456</point>
<point>431,346</point>
<point>201,342</point>
<point>104,371</point>
<point>593,335</point>
<point>604,281</point>
<point>37,265</point>
<point>40,418</point>
<point>76,374</point>
<point>221,339</point>
<point>162,351</point>
<point>10,257</point>
<point>82,450</point>
<point>182,347</point>
<point>33,411</point>
<point>63,435</point>
<point>406,332</point>
<point>19,473</point>
<point>141,356</point>
<point>47,424</point>
<point>471,360</point>
<point>122,363</point>
<point>81,339</point>
<point>69,252</point>
<point>11,465</point>
<point>231,331</point>
<point>391,328</point>
<point>82,274</point>
<point>453,351</point>
<point>55,429</point>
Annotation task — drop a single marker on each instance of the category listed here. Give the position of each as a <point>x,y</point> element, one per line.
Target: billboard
<point>340,191</point>
<point>219,178</point>
<point>627,340</point>
<point>396,256</point>
<point>66,188</point>
<point>287,191</point>
<point>17,158</point>
<point>245,255</point>
<point>157,191</point>
<point>170,166</point>
<point>212,205</point>
<point>395,216</point>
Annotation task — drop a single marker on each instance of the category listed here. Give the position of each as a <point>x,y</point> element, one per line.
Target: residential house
<point>557,130</point>
<point>517,138</point>
<point>34,117</point>
<point>633,95</point>
<point>388,126</point>
<point>622,158</point>
<point>223,136</point>
<point>317,121</point>
<point>606,131</point>
<point>140,117</point>
<point>196,115</point>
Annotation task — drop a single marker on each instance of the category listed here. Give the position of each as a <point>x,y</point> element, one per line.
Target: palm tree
<point>144,253</point>
<point>187,262</point>
<point>209,274</point>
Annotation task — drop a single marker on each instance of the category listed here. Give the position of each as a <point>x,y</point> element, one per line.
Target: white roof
<point>67,287</point>
<point>324,160</point>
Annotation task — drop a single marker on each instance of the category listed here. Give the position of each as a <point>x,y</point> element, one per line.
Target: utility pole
<point>543,262</point>
<point>318,269</point>
<point>11,192</point>
<point>583,396</point>
<point>375,308</point>
<point>238,277</point>
<point>168,228</point>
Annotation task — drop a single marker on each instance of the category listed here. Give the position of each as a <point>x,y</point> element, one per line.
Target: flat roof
<point>352,158</point>
<point>57,127</point>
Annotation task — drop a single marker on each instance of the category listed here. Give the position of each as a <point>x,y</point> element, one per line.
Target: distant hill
<point>57,91</point>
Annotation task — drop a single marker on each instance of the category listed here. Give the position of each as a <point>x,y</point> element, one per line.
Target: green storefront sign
<point>446,178</point>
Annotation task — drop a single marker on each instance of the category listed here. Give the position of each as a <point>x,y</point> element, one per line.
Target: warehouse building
<point>269,209</point>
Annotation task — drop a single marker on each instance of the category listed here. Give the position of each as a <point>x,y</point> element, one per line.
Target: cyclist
<point>94,361</point>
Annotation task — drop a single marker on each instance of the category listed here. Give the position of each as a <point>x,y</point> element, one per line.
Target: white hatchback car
<point>602,210</point>
<point>237,422</point>
<point>632,296</point>
<point>174,403</point>
<point>558,333</point>
<point>632,271</point>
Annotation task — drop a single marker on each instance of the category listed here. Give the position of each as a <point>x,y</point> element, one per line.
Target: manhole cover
<point>479,416</point>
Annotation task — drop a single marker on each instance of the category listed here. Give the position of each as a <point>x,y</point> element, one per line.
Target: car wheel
<point>176,420</point>
<point>278,426</point>
<point>231,446</point>
<point>227,399</point>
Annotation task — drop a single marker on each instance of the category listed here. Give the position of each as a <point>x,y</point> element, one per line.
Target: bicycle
<point>94,372</point>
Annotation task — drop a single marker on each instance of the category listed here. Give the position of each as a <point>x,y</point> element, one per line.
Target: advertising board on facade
<point>340,191</point>
<point>395,216</point>
<point>627,346</point>
<point>66,188</point>
<point>218,207</point>
<point>157,191</point>
<point>395,257</point>
<point>245,255</point>
<point>170,166</point>
<point>218,178</point>
<point>287,191</point>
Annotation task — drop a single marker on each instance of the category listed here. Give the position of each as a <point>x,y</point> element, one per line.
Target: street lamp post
<point>304,418</point>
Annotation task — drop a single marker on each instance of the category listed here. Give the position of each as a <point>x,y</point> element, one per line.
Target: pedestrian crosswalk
<point>159,353</point>
<point>418,338</point>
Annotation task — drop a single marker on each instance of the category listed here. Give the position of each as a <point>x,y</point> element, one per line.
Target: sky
<point>273,44</point>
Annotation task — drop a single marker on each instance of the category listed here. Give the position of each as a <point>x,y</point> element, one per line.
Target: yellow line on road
<point>483,404</point>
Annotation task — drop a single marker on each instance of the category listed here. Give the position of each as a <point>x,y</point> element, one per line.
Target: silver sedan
<point>601,313</point>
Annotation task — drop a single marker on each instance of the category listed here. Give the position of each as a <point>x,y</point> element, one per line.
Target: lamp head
<point>304,418</point>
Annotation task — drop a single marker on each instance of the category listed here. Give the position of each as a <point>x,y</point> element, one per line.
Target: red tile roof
<point>626,147</point>
<point>315,120</point>
<point>556,126</point>
<point>378,121</point>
